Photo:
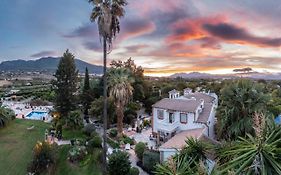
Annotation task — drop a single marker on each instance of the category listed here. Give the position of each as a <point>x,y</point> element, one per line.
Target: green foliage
<point>139,84</point>
<point>43,157</point>
<point>131,112</point>
<point>97,109</point>
<point>103,13</point>
<point>149,102</point>
<point>134,171</point>
<point>6,115</point>
<point>150,159</point>
<point>180,165</point>
<point>94,142</point>
<point>125,139</point>
<point>195,149</point>
<point>239,101</point>
<point>190,160</point>
<point>87,95</point>
<point>77,153</point>
<point>65,84</point>
<point>89,129</point>
<point>74,120</point>
<point>113,133</point>
<point>114,144</point>
<point>119,163</point>
<point>275,102</point>
<point>139,150</point>
<point>254,155</point>
<point>120,90</point>
<point>45,95</point>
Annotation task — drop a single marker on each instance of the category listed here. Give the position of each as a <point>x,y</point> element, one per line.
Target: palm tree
<point>259,154</point>
<point>107,14</point>
<point>121,90</point>
<point>239,101</point>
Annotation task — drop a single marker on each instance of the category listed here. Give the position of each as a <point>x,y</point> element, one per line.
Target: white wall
<point>181,126</point>
<point>212,123</point>
<point>166,153</point>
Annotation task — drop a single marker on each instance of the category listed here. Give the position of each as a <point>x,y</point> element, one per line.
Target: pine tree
<point>66,85</point>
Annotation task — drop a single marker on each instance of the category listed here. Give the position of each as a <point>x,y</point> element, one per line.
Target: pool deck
<point>23,108</point>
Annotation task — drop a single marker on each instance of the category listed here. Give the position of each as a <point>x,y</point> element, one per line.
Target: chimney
<point>187,91</point>
<point>202,103</point>
<point>174,94</point>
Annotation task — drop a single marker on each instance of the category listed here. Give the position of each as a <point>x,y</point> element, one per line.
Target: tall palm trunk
<point>104,107</point>
<point>120,116</point>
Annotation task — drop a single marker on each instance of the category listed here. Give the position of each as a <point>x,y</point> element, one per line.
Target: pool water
<point>36,115</point>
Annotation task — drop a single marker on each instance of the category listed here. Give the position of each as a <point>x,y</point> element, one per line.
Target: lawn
<point>16,144</point>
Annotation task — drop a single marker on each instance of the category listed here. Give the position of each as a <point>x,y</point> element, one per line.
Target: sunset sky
<point>163,36</point>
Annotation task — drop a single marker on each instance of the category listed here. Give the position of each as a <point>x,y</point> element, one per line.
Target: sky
<point>162,36</point>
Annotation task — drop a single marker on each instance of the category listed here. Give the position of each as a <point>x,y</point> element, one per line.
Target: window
<point>183,118</point>
<point>171,117</point>
<point>160,114</point>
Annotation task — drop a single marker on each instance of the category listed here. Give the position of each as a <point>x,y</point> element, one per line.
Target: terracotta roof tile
<point>204,115</point>
<point>178,141</point>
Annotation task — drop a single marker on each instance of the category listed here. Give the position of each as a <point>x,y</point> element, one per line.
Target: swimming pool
<point>37,115</point>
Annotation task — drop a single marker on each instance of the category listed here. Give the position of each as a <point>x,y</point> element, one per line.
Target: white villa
<point>181,116</point>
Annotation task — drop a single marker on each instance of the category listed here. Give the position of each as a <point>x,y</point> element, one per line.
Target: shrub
<point>6,115</point>
<point>139,150</point>
<point>134,171</point>
<point>150,159</point>
<point>89,129</point>
<point>95,142</point>
<point>74,120</point>
<point>113,133</point>
<point>113,143</point>
<point>77,153</point>
<point>119,163</point>
<point>126,139</point>
<point>43,157</point>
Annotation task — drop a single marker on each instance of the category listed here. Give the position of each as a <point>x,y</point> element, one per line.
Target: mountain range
<point>48,64</point>
<point>252,75</point>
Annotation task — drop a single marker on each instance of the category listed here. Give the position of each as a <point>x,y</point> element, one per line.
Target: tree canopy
<point>238,102</point>
<point>66,84</point>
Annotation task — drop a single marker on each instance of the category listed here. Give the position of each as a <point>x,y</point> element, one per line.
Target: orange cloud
<point>191,28</point>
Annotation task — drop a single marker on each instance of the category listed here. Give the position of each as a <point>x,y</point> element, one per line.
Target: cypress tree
<point>87,96</point>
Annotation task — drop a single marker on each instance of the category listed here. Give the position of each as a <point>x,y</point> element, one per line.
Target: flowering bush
<point>43,157</point>
<point>77,153</point>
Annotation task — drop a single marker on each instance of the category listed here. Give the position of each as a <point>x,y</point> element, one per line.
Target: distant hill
<point>193,75</point>
<point>48,64</point>
<point>253,75</point>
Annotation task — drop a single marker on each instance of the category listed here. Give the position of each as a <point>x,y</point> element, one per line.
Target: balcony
<point>164,125</point>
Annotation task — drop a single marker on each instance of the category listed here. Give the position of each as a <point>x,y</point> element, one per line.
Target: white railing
<point>165,125</point>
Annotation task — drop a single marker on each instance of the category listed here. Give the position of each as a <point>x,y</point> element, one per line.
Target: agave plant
<point>190,160</point>
<point>259,154</point>
<point>178,165</point>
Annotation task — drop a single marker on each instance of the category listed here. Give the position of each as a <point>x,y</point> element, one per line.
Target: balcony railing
<point>165,125</point>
